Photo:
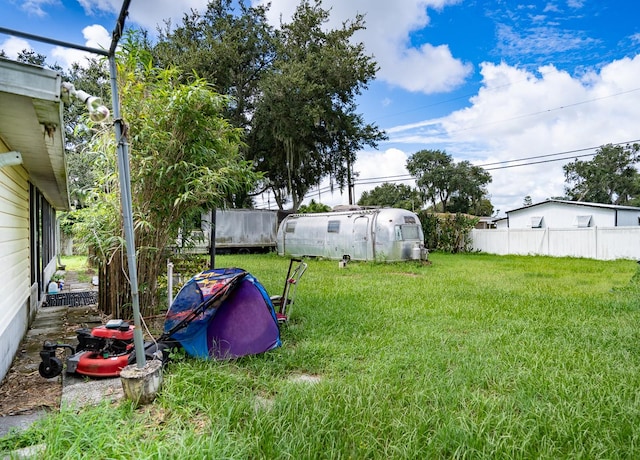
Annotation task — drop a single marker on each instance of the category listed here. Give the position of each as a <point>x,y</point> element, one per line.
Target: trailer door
<point>360,238</point>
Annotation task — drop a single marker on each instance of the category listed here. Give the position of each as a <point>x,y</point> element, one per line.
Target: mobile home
<point>386,235</point>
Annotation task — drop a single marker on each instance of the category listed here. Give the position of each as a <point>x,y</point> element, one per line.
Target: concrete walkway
<point>58,324</point>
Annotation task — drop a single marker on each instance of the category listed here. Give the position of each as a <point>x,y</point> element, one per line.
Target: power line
<point>465,96</point>
<point>555,154</point>
<point>567,155</point>
<point>484,165</point>
<point>540,162</point>
<point>532,114</point>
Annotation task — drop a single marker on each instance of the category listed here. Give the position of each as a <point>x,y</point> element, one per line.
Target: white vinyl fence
<point>603,243</point>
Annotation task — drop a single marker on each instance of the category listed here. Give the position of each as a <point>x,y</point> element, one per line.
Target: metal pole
<point>212,240</point>
<point>350,183</point>
<point>169,283</point>
<point>125,188</point>
<point>127,217</point>
<point>51,41</point>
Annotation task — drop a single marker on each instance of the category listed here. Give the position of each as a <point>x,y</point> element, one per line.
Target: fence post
<point>169,282</point>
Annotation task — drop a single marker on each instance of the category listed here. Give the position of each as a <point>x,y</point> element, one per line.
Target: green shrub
<point>447,232</point>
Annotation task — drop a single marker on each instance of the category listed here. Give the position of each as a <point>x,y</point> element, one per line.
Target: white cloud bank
<point>520,114</point>
<point>12,46</point>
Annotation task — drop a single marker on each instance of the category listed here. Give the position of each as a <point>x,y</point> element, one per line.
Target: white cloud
<point>428,68</point>
<point>95,36</point>
<point>391,162</point>
<point>13,45</point>
<point>35,7</point>
<point>147,14</point>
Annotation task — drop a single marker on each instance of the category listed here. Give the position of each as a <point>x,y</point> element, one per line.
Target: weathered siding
<point>242,228</point>
<point>15,288</point>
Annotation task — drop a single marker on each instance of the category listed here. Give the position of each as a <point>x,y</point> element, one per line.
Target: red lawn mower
<point>101,352</point>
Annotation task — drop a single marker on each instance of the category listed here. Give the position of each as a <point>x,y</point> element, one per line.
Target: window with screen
<point>583,221</point>
<point>536,222</point>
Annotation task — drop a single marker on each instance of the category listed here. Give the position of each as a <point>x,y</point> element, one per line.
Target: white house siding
<point>14,262</point>
<point>628,218</point>
<point>603,243</point>
<point>559,215</point>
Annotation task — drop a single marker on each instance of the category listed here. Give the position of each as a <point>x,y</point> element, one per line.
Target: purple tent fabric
<point>223,314</point>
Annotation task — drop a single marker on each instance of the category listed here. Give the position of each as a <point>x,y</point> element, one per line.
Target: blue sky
<point>492,81</point>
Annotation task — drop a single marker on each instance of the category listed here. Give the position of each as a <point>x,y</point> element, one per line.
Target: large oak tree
<point>450,186</point>
<point>293,89</point>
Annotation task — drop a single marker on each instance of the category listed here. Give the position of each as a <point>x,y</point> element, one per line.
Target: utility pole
<point>350,183</point>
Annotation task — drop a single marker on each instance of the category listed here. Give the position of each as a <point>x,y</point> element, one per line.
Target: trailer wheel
<point>52,370</point>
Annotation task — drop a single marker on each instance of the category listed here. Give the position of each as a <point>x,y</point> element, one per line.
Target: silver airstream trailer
<point>385,235</point>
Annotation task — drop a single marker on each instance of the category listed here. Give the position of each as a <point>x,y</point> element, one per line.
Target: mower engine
<point>101,352</point>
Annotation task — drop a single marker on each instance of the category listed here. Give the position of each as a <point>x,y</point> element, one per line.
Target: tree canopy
<point>313,207</point>
<point>230,49</point>
<point>293,89</point>
<point>611,177</point>
<point>449,186</point>
<point>392,196</point>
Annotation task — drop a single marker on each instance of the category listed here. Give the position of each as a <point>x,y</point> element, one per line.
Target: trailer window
<point>291,226</point>
<point>407,232</point>
<point>333,226</point>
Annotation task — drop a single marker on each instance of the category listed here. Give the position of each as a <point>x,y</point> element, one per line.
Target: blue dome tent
<point>223,313</point>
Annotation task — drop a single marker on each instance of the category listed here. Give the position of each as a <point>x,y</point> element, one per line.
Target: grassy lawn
<point>80,266</point>
<point>474,356</point>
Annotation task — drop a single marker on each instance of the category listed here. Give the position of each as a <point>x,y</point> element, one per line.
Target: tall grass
<point>474,356</point>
